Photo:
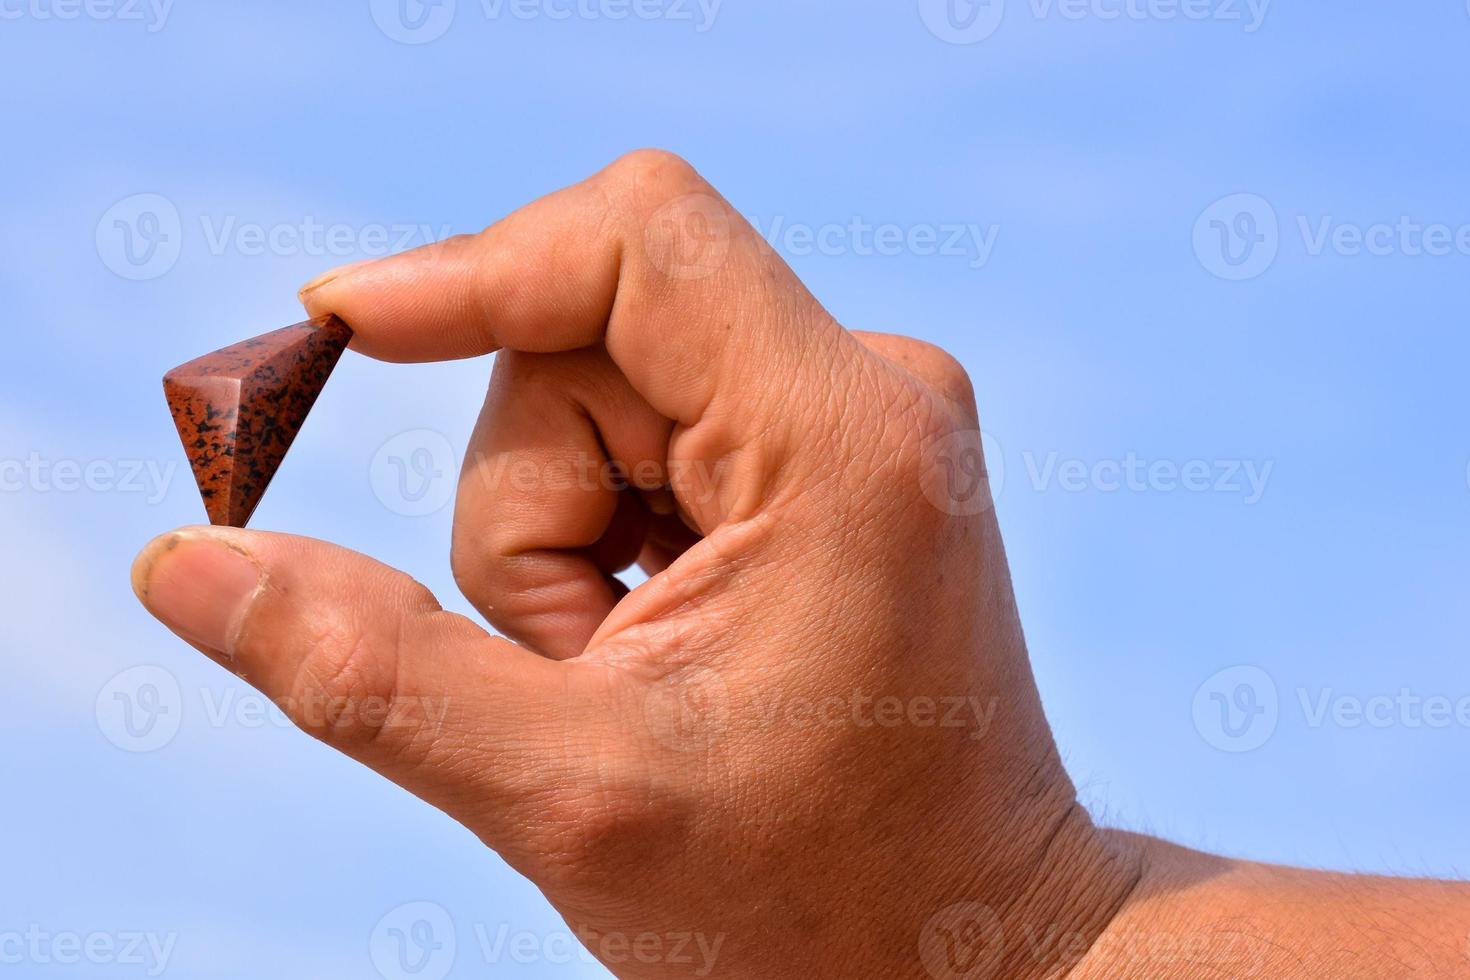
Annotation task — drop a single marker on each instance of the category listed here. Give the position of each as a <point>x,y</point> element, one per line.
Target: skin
<point>810,741</point>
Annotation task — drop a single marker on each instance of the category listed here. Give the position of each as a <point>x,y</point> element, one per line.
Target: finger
<point>542,519</point>
<point>362,657</point>
<point>668,536</point>
<point>705,320</point>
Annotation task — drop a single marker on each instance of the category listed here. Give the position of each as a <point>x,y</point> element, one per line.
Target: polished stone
<point>239,409</point>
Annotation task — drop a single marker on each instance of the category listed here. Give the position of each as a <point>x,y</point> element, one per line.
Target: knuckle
<point>653,168</point>
<point>950,376</point>
<point>618,806</point>
<point>639,184</point>
<point>592,840</point>
<point>940,370</point>
<point>917,425</point>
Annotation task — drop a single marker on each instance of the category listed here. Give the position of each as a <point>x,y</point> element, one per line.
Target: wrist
<point>1047,888</point>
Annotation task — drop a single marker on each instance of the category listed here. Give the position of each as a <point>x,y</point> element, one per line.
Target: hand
<point>810,731</point>
<point>811,741</point>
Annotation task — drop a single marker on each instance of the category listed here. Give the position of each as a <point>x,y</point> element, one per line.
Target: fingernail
<point>196,585</point>
<point>328,276</point>
<point>318,282</point>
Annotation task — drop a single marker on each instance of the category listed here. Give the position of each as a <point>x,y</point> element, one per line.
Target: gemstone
<point>239,409</point>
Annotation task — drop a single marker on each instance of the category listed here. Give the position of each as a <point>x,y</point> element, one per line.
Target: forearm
<point>1196,915</point>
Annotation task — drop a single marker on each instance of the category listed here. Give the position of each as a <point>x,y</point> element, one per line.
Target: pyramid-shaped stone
<point>239,409</point>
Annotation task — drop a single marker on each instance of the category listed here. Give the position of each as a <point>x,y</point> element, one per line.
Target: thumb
<point>363,657</point>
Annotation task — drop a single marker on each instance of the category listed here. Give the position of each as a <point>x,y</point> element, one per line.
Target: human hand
<point>811,740</point>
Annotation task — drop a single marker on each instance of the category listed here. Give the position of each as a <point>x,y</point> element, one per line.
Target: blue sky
<point>1207,272</point>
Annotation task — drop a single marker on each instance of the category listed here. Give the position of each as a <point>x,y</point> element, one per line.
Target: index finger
<point>644,257</point>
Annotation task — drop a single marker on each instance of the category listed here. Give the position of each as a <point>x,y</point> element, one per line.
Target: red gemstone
<point>239,409</point>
